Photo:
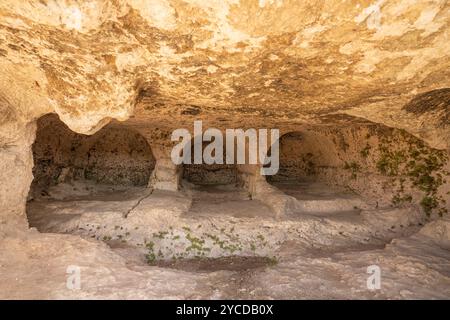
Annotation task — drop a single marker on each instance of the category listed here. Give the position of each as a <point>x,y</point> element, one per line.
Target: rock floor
<point>216,243</point>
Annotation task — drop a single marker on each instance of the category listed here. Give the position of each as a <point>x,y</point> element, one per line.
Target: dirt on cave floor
<point>197,244</point>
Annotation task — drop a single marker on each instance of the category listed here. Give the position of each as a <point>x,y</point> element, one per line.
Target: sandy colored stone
<point>338,78</point>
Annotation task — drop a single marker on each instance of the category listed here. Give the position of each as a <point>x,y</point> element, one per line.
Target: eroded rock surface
<point>359,91</point>
<point>276,61</point>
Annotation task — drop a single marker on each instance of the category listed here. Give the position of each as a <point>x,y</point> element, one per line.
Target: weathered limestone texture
<point>166,175</point>
<point>115,155</point>
<point>388,167</point>
<point>233,63</point>
<point>16,163</point>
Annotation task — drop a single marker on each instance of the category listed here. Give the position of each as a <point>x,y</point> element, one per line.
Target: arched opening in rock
<point>220,189</point>
<point>209,175</point>
<point>113,164</point>
<point>321,70</point>
<point>310,171</point>
<point>301,153</point>
<point>358,166</point>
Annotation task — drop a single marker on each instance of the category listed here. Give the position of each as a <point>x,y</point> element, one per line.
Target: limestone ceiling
<point>239,62</point>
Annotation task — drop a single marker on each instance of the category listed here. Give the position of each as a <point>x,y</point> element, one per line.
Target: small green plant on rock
<point>354,168</point>
<point>399,199</point>
<point>428,204</point>
<point>422,165</point>
<point>150,257</point>
<point>365,151</point>
<point>272,261</point>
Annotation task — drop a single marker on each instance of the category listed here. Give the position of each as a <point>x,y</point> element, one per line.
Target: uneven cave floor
<point>214,242</point>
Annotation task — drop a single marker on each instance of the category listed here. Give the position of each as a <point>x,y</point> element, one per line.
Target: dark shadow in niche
<point>115,155</point>
<point>210,174</point>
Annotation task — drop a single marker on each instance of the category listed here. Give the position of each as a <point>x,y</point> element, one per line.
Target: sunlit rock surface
<point>281,62</point>
<point>362,86</point>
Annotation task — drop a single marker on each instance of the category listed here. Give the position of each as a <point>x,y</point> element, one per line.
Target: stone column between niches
<point>166,175</point>
<point>16,164</point>
<point>250,179</point>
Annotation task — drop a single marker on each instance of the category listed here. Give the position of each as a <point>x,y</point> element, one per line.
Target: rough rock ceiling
<point>231,62</point>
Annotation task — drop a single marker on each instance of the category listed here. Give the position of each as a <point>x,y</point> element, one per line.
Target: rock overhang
<point>235,63</point>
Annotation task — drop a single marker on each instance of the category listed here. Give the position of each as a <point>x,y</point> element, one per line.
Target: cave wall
<point>387,166</point>
<point>113,155</point>
<point>209,174</point>
<point>97,60</point>
<point>214,174</point>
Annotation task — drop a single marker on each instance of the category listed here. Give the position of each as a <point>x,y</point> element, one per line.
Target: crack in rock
<point>138,202</point>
